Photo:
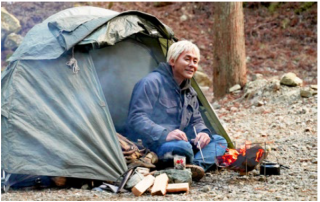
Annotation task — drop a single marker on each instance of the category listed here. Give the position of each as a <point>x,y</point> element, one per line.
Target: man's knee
<point>219,144</point>
<point>183,144</point>
<point>218,139</point>
<point>176,148</point>
<point>182,148</point>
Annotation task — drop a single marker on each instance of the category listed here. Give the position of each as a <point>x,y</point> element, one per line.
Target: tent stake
<point>125,179</point>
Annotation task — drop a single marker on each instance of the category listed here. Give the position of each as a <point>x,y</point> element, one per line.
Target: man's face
<point>185,66</point>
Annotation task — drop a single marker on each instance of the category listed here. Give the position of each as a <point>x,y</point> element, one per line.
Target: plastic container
<point>179,162</point>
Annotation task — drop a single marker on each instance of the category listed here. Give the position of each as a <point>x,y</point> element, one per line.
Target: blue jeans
<point>216,147</point>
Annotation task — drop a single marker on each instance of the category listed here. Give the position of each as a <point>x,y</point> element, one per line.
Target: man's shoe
<point>59,181</point>
<point>197,172</point>
<point>138,163</point>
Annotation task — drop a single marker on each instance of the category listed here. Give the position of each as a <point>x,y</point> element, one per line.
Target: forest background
<point>279,37</point>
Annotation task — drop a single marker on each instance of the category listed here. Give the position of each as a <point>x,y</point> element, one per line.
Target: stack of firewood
<point>158,186</point>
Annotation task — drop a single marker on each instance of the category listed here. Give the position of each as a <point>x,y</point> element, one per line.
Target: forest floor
<point>276,43</point>
<point>286,122</point>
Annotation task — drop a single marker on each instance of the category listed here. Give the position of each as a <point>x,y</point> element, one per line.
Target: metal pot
<point>270,169</point>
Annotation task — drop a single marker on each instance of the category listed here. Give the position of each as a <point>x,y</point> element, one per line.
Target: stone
<point>291,95</point>
<point>203,79</point>
<point>206,188</point>
<point>259,83</point>
<point>314,87</point>
<point>275,85</point>
<point>177,176</point>
<point>304,110</point>
<point>9,24</point>
<point>216,105</point>
<point>313,177</point>
<point>204,88</point>
<point>183,18</point>
<point>257,76</point>
<point>236,92</point>
<point>161,4</point>
<point>219,196</point>
<point>258,196</point>
<point>223,111</point>
<point>263,134</point>
<point>307,129</point>
<point>306,92</point>
<point>233,109</point>
<point>260,103</point>
<point>234,88</point>
<point>290,79</point>
<point>85,187</point>
<point>12,41</point>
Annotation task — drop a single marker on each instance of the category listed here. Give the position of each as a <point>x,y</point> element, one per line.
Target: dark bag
<point>16,181</point>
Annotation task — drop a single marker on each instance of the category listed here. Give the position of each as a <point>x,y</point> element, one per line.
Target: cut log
<point>143,185</point>
<point>178,187</point>
<point>160,185</point>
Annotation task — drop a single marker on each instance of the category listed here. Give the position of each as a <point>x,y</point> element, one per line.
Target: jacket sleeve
<point>197,120</point>
<point>144,97</point>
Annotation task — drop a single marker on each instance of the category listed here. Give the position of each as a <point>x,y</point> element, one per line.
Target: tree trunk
<point>229,59</point>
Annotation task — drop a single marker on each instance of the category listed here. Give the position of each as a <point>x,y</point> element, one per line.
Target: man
<point>164,109</point>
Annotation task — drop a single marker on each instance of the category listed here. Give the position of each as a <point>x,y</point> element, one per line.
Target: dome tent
<point>67,88</point>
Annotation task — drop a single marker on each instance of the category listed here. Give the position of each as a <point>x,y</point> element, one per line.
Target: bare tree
<point>229,59</point>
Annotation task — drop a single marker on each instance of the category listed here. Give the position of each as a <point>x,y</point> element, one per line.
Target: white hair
<point>179,47</point>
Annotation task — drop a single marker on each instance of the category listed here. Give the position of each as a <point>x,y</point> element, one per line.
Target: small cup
<point>179,162</point>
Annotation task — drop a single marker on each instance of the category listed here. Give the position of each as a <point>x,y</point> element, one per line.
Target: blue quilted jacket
<point>159,105</point>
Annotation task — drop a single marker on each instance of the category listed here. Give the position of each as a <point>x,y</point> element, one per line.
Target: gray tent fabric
<point>56,122</point>
<point>39,43</point>
<point>73,25</point>
<point>118,76</point>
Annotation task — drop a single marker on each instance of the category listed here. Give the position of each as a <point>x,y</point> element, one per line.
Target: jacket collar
<point>165,69</point>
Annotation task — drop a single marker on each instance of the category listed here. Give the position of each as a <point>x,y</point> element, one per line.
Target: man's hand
<point>203,138</point>
<point>176,135</point>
